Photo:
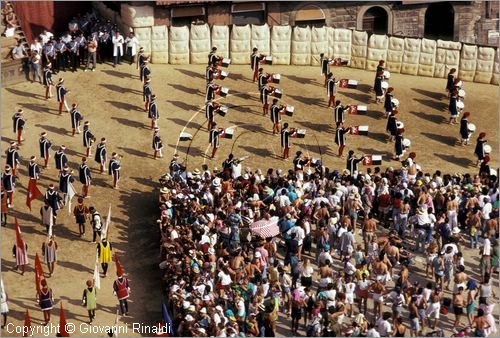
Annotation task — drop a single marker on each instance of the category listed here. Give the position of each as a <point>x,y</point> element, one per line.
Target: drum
<point>407,143</point>
<point>395,102</point>
<point>387,74</point>
<point>228,133</point>
<point>459,84</point>
<point>224,91</point>
<point>278,93</point>
<point>289,110</point>
<point>275,78</point>
<point>487,149</point>
<point>223,75</point>
<point>185,136</point>
<point>400,125</point>
<point>301,133</point>
<point>460,105</point>
<point>385,84</point>
<point>223,110</point>
<point>471,127</point>
<point>493,172</point>
<point>226,62</point>
<point>268,60</point>
<point>461,93</point>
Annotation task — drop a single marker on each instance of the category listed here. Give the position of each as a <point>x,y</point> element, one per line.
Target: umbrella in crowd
<point>265,228</point>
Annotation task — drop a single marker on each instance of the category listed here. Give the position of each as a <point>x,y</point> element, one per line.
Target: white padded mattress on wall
<point>199,43</point>
<point>484,64</point>
<point>411,56</point>
<point>395,49</point>
<point>377,50</point>
<point>220,39</point>
<point>240,43</point>
<point>427,57</point>
<point>494,77</point>
<point>143,34</point>
<point>447,57</point>
<point>301,46</point>
<point>467,66</point>
<point>281,40</point>
<point>342,40</point>
<point>261,38</point>
<point>137,16</point>
<point>359,49</point>
<point>319,43</point>
<point>178,45</point>
<point>159,44</point>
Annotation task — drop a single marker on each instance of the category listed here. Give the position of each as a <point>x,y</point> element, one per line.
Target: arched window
<point>375,20</point>
<point>310,15</point>
<point>439,21</point>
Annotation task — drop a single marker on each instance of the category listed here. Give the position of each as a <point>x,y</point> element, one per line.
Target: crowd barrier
<point>302,45</point>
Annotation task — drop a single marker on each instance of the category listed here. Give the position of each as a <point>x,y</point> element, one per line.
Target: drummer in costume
<point>157,144</point>
<point>153,112</point>
<point>353,162</point>
<point>101,155</point>
<point>210,110</point>
<point>464,129</point>
<point>47,81</point>
<point>479,151</point>
<point>380,67</point>
<point>140,58</point>
<point>45,146</point>
<point>285,140</point>
<point>210,72</point>
<point>19,124</point>
<point>263,78</point>
<point>484,168</point>
<point>324,62</point>
<point>392,126</point>
<point>340,137</point>
<point>388,106</point>
<point>45,299</point>
<point>399,147</point>
<point>331,89</point>
<point>12,157</point>
<point>9,183</point>
<point>254,63</point>
<point>146,93</point>
<point>452,107</point>
<point>264,93</point>
<point>54,200</point>
<point>213,138</point>
<point>145,72</point>
<point>33,169</point>
<point>212,57</point>
<point>339,113</point>
<point>61,95</point>
<point>379,91</point>
<point>114,169</point>
<point>211,90</point>
<point>65,179</point>
<point>88,138</point>
<point>60,158</point>
<point>276,111</point>
<point>450,81</point>
<point>85,177</point>
<point>76,119</point>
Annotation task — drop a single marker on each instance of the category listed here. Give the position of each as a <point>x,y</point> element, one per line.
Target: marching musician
<point>145,72</point>
<point>331,89</point>
<point>379,92</point>
<point>263,78</point>
<point>12,157</point>
<point>392,127</point>
<point>324,62</point>
<point>140,58</point>
<point>54,200</point>
<point>388,106</point>
<point>276,111</point>
<point>210,110</point>
<point>101,155</point>
<point>85,177</point>
<point>47,81</point>
<point>114,169</point>
<point>33,169</point>
<point>352,163</point>
<point>210,72</point>
<point>157,144</point>
<point>153,112</point>
<point>214,135</point>
<point>264,93</point>
<point>339,113</point>
<point>18,124</point>
<point>479,150</point>
<point>65,179</point>
<point>380,68</point>
<point>76,119</point>
<point>212,57</point>
<point>60,158</point>
<point>45,146</point>
<point>299,163</point>
<point>146,93</point>
<point>211,90</point>
<point>452,107</point>
<point>450,82</point>
<point>9,183</point>
<point>227,166</point>
<point>61,95</point>
<point>457,84</point>
<point>340,137</point>
<point>254,63</point>
<point>88,138</point>
<point>399,147</point>
<point>285,140</point>
<point>464,129</point>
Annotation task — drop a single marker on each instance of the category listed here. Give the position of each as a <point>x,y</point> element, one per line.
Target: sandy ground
<point>111,100</point>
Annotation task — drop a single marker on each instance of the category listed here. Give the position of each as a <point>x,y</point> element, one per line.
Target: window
<point>182,16</point>
<point>310,15</point>
<point>253,13</point>
<point>439,21</point>
<point>375,20</point>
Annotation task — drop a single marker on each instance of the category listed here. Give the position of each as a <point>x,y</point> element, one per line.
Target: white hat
<point>258,254</point>
<point>186,304</point>
<point>216,182</point>
<point>189,318</point>
<point>203,310</point>
<point>456,230</point>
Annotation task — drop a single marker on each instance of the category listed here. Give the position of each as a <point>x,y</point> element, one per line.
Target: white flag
<point>69,196</point>
<point>104,232</point>
<point>97,276</point>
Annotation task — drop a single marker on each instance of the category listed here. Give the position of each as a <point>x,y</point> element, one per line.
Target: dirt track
<point>111,99</point>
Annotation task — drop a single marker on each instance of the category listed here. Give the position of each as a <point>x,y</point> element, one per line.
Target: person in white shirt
<point>36,46</point>
<point>384,328</point>
<point>46,36</point>
<point>485,264</point>
<point>117,48</point>
<point>486,210</point>
<point>67,38</point>
<point>35,63</point>
<point>132,44</point>
<point>18,52</point>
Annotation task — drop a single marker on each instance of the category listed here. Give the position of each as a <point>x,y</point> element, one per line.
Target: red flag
<point>62,324</point>
<point>33,192</point>
<point>27,324</point>
<point>38,272</point>
<point>119,270</point>
<point>19,236</point>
